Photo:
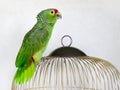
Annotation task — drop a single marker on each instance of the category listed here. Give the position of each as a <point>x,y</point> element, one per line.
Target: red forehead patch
<point>55,10</point>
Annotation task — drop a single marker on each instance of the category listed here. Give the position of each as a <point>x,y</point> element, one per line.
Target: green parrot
<point>34,45</point>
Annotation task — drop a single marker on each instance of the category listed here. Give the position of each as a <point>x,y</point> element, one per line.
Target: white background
<point>94,26</point>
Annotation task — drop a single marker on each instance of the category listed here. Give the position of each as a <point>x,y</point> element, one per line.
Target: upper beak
<point>59,16</point>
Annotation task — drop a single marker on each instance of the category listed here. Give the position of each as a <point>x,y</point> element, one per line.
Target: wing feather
<point>33,41</point>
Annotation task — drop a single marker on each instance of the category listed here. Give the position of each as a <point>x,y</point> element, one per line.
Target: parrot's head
<point>49,15</point>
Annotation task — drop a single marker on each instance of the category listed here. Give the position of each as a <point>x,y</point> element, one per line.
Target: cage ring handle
<point>65,36</point>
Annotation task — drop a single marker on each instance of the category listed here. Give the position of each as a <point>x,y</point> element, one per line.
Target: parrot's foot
<point>37,64</point>
<point>42,59</point>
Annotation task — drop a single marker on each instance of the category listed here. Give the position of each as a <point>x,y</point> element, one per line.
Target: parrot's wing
<point>30,45</point>
<point>23,56</point>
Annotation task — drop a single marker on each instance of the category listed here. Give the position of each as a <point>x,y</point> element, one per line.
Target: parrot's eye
<point>52,12</point>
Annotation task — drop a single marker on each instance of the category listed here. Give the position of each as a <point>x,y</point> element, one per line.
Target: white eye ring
<point>52,12</point>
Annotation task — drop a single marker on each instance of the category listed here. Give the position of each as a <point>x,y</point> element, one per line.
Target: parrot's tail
<point>25,74</point>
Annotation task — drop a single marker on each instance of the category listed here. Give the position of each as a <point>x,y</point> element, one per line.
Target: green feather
<point>25,74</point>
<point>34,43</point>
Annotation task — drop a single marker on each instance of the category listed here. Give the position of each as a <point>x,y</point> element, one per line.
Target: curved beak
<point>59,16</point>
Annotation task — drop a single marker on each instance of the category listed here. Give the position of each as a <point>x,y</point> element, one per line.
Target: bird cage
<point>68,68</point>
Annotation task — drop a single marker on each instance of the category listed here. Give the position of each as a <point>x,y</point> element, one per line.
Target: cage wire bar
<point>73,73</point>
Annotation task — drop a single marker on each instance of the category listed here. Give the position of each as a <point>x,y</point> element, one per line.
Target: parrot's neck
<point>46,26</point>
<point>45,23</point>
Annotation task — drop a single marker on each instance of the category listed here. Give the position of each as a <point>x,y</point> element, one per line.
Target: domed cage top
<point>72,72</point>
